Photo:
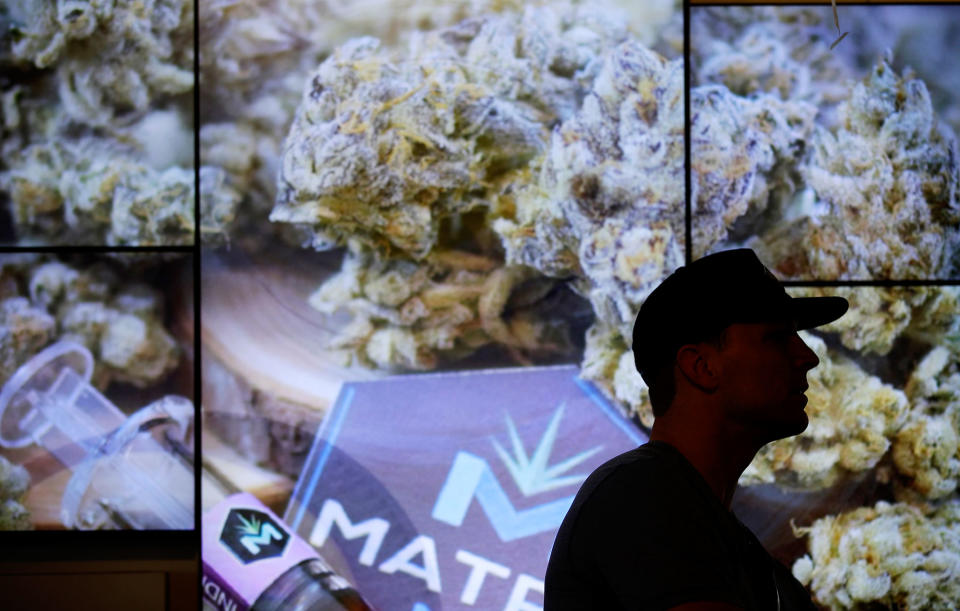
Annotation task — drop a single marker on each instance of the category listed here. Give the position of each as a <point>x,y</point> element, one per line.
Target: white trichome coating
<point>96,122</point>
<point>780,51</point>
<point>552,130</point>
<point>926,450</point>
<point>97,190</point>
<point>257,56</point>
<point>886,181</point>
<point>878,316</point>
<point>743,150</point>
<point>607,205</point>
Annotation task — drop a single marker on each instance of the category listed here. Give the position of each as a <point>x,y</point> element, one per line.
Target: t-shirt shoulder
<point>646,532</point>
<point>632,479</point>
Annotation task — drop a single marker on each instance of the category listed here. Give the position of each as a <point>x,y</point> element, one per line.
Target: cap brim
<point>810,312</point>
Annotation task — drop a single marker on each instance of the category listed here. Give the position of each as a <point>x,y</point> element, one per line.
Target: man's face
<point>764,375</point>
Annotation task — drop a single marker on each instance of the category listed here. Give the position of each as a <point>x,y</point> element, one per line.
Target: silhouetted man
<point>717,345</point>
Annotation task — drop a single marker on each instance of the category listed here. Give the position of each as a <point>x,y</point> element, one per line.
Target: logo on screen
<point>253,535</point>
<point>471,477</point>
<point>445,491</point>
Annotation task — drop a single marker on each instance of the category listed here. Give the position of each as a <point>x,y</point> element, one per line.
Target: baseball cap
<point>703,298</point>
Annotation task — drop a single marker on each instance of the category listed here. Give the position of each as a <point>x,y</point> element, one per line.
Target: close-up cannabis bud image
<point>466,170</point>
<point>96,123</point>
<point>481,175</point>
<point>833,164</point>
<point>54,309</point>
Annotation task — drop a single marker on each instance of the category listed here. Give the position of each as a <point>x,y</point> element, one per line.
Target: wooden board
<point>228,472</point>
<point>255,320</point>
<point>265,363</point>
<point>48,479</point>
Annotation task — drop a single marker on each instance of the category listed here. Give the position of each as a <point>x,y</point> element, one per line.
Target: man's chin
<point>797,424</point>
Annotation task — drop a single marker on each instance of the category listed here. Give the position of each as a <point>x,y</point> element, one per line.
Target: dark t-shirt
<point>646,532</point>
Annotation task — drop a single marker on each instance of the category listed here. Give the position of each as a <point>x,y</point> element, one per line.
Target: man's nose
<point>806,358</point>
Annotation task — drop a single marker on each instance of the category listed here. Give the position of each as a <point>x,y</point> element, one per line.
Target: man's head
<point>729,306</point>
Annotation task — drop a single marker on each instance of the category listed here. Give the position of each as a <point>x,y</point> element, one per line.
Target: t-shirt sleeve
<point>650,552</point>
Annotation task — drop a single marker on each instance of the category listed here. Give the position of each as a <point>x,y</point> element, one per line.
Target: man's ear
<point>699,365</point>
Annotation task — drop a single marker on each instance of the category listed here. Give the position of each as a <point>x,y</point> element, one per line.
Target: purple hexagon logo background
<point>445,491</point>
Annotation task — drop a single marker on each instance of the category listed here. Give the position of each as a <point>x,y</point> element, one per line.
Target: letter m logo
<point>268,533</point>
<point>471,477</point>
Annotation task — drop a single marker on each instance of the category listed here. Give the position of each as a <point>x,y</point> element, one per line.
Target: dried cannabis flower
<point>743,152</point>
<point>252,47</point>
<point>852,417</point>
<point>885,185</point>
<point>96,129</point>
<point>921,37</point>
<point>385,146</point>
<point>388,154</point>
<point>926,451</point>
<point>900,556</point>
<point>98,191</point>
<point>777,52</point>
<point>258,55</point>
<point>24,330</point>
<point>218,204</point>
<point>835,179</point>
<point>608,206</point>
<point>409,315</point>
<point>608,362</point>
<point>14,481</point>
<point>878,316</point>
<point>110,57</point>
<point>120,324</point>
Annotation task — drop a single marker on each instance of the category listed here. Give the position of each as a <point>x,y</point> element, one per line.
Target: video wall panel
<point>96,400</point>
<point>425,230</point>
<point>97,124</point>
<point>833,158</point>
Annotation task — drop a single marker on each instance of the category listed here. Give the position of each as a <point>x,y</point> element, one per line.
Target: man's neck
<point>718,457</point>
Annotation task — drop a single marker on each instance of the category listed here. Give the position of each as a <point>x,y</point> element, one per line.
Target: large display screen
<point>97,124</point>
<point>96,392</point>
<point>423,232</point>
<point>826,139</point>
<point>429,188</point>
<point>414,189</point>
<point>833,158</point>
<point>468,191</point>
